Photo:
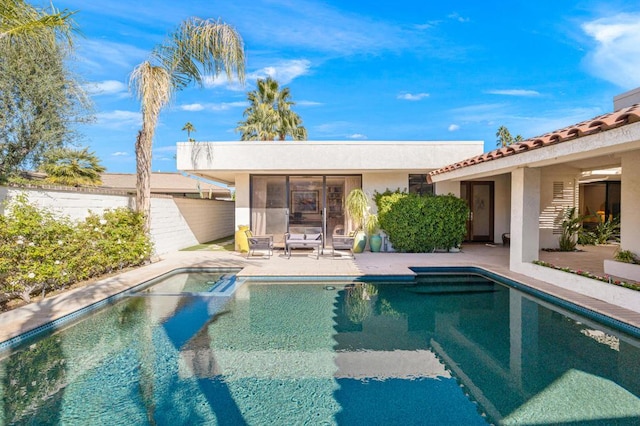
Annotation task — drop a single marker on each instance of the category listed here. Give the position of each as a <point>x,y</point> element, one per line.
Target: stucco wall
<point>630,203</point>
<point>372,182</point>
<point>176,223</point>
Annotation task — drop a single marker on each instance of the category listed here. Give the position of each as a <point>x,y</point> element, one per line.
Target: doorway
<point>479,197</point>
<point>281,203</point>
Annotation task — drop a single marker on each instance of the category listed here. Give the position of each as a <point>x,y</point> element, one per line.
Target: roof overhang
<point>599,150</point>
<point>222,161</point>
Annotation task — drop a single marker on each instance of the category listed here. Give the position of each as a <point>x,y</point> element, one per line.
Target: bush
<point>421,224</point>
<point>40,251</point>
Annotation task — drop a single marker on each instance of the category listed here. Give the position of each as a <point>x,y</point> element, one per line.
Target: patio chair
<point>259,242</point>
<point>342,242</point>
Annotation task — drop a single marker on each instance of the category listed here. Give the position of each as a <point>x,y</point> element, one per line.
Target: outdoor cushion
<point>296,236</point>
<point>312,236</point>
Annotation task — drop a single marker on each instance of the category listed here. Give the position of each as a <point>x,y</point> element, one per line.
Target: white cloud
<point>120,154</point>
<point>456,16</point>
<point>284,71</point>
<point>357,136</point>
<point>119,118</point>
<point>513,92</point>
<point>223,106</point>
<point>107,87</point>
<point>453,127</point>
<point>191,107</point>
<point>308,103</point>
<point>616,56</point>
<point>412,97</point>
<point>99,54</point>
<point>320,27</point>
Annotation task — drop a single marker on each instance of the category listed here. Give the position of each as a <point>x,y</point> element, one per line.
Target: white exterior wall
<point>372,182</point>
<point>551,208</point>
<point>76,205</point>
<point>630,203</point>
<point>448,187</point>
<point>243,200</point>
<point>175,223</point>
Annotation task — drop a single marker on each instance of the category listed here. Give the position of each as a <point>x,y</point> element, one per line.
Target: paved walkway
<point>492,258</point>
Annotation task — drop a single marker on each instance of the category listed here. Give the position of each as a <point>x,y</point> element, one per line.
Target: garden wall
<point>176,223</point>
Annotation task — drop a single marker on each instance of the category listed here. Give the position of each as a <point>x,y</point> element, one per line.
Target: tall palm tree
<point>197,47</point>
<point>189,128</point>
<point>21,21</point>
<point>505,138</point>
<point>72,167</point>
<point>269,115</point>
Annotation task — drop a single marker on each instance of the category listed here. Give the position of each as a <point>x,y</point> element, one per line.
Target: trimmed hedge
<point>41,252</point>
<point>422,224</point>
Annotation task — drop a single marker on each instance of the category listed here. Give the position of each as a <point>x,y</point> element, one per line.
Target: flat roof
<point>222,161</point>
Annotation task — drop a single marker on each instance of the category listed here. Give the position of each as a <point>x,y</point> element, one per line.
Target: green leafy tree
<point>198,47</point>
<point>269,115</point>
<point>505,138</point>
<point>188,127</point>
<point>72,167</point>
<point>40,100</point>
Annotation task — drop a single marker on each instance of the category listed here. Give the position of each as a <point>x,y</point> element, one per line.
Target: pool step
<point>226,285</point>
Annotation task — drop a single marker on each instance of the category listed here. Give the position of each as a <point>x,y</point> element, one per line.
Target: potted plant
<point>356,204</point>
<point>373,230</point>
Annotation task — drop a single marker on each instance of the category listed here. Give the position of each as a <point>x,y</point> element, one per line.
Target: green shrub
<point>421,224</point>
<point>571,224</point>
<point>40,251</point>
<point>626,256</point>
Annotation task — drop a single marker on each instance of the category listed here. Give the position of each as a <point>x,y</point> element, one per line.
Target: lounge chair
<point>259,242</point>
<point>342,242</point>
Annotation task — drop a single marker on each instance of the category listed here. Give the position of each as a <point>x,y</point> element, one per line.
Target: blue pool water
<point>442,350</point>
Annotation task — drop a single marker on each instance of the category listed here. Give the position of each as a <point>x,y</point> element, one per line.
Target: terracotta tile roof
<point>598,124</point>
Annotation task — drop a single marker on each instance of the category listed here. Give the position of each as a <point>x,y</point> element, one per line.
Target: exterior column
<point>525,214</point>
<point>243,198</point>
<point>630,203</point>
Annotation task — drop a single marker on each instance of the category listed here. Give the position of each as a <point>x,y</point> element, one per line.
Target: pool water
<point>442,350</point>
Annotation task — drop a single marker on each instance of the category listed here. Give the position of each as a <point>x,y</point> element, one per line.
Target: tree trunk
<point>143,177</point>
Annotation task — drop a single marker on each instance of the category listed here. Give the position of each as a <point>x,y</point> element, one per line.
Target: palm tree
<point>196,48</point>
<point>189,128</point>
<point>269,115</point>
<point>21,21</point>
<point>505,138</point>
<point>72,167</point>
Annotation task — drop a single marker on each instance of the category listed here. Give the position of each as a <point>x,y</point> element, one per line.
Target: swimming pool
<point>442,349</point>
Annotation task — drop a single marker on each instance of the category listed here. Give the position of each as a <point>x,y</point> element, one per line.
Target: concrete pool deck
<point>302,263</point>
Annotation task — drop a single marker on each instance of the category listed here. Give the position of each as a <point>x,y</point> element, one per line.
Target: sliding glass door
<point>269,206</point>
<point>292,203</point>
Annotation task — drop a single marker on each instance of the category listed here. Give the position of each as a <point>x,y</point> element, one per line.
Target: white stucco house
<point>544,173</point>
<point>279,185</point>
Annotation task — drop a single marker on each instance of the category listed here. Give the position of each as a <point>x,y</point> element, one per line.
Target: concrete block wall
<point>176,223</point>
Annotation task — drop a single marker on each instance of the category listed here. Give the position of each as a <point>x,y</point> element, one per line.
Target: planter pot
<point>359,242</point>
<point>629,271</point>
<point>375,242</point>
<point>242,245</point>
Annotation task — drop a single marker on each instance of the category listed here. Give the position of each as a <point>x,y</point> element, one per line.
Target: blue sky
<point>368,70</point>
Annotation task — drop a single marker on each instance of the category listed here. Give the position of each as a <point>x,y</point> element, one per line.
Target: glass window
<point>418,185</point>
